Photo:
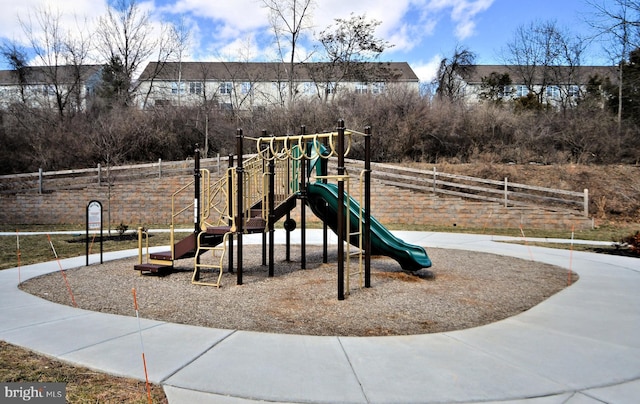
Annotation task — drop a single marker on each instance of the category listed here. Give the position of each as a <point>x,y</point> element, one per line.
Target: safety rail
<point>217,202</point>
<point>143,234</point>
<point>205,179</point>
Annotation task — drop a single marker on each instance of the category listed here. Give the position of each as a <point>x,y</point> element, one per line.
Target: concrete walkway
<point>580,346</point>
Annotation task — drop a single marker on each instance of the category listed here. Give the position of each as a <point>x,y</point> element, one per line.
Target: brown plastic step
<point>255,225</point>
<point>219,230</point>
<point>162,255</point>
<point>153,268</point>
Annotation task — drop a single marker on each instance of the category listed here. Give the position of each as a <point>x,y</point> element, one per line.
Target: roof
<point>257,71</point>
<point>42,74</point>
<point>475,74</point>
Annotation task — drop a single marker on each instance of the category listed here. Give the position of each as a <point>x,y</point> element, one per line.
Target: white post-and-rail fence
<point>42,181</point>
<point>503,192</point>
<point>510,194</point>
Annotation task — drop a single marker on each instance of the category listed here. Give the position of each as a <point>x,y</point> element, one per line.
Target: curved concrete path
<point>580,346</point>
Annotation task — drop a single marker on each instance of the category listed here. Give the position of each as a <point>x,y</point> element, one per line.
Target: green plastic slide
<point>323,201</point>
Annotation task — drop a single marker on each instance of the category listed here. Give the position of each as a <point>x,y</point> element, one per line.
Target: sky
<point>421,31</point>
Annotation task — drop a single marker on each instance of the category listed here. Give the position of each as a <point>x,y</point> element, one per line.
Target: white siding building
<point>246,86</point>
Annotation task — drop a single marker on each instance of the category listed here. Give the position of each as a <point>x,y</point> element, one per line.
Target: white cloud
<point>463,13</point>
<point>71,12</point>
<point>426,71</point>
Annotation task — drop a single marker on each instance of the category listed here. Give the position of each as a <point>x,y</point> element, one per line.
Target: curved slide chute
<point>323,201</point>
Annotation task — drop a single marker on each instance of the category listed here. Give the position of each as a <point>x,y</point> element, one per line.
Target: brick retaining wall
<point>148,202</point>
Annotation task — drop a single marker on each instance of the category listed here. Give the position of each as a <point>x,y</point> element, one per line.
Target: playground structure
<point>256,193</point>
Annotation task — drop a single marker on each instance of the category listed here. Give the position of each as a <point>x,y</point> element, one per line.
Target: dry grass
<point>82,385</point>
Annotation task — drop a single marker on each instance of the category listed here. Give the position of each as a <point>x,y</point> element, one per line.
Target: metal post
<point>230,205</point>
<point>159,168</point>
<point>287,234</point>
<point>367,207</point>
<point>239,214</point>
<point>341,216</point>
<point>272,203</point>
<point>196,196</point>
<point>196,205</point>
<point>303,206</point>
<point>325,226</point>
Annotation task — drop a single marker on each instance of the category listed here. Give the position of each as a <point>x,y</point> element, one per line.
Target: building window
<point>195,87</point>
<point>308,88</point>
<point>177,88</point>
<point>226,87</point>
<point>553,92</point>
<point>574,91</point>
<point>362,88</point>
<point>505,91</point>
<point>522,91</point>
<point>48,89</point>
<point>378,88</point>
<point>246,87</point>
<point>331,88</point>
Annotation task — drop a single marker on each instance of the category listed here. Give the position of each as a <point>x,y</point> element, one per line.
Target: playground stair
<point>210,239</point>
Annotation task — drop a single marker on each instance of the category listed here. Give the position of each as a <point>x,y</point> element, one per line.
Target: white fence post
<point>506,192</point>
<point>586,202</point>
<point>159,168</point>
<point>434,179</point>
<point>40,184</point>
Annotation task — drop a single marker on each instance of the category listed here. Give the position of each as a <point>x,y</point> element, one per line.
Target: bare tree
<point>126,36</point>
<point>350,46</point>
<point>617,23</point>
<point>289,19</point>
<point>451,71</point>
<point>16,57</point>
<point>173,43</point>
<point>536,52</point>
<point>62,56</point>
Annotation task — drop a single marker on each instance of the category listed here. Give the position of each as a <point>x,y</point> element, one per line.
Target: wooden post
<point>586,202</point>
<point>506,192</point>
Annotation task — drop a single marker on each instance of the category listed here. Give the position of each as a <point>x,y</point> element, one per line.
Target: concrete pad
<point>566,359</point>
<point>579,398</point>
<point>272,367</point>
<point>621,393</point>
<point>177,395</point>
<point>168,347</point>
<point>557,399</point>
<point>437,368</point>
<point>589,321</point>
<point>30,310</point>
<point>60,337</point>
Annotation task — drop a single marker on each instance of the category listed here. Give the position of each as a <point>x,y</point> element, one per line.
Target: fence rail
<point>463,186</point>
<point>428,181</point>
<point>47,181</point>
